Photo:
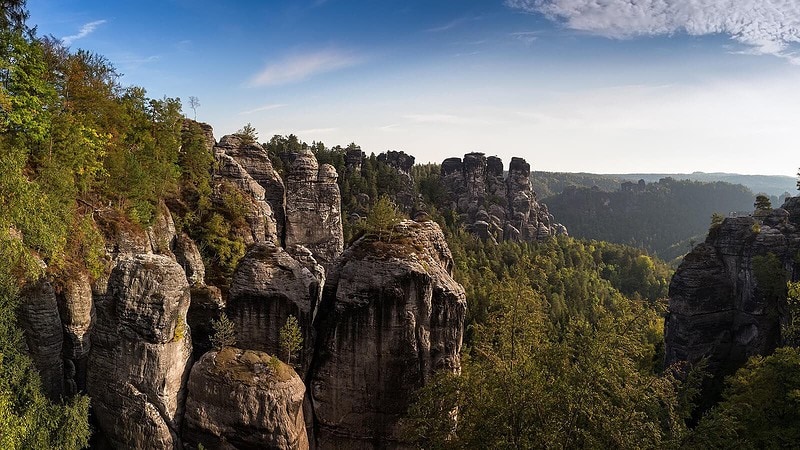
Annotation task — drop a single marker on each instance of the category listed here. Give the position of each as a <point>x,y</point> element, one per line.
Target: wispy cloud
<point>526,37</point>
<point>453,23</point>
<point>300,67</point>
<point>262,108</point>
<point>766,27</point>
<point>85,30</point>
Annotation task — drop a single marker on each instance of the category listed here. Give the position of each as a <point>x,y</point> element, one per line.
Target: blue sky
<point>572,85</point>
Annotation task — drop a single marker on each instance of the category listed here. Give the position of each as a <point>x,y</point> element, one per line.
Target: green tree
<point>224,332</point>
<point>760,406</point>
<point>247,134</point>
<point>291,338</point>
<point>790,328</point>
<point>762,203</point>
<point>382,217</point>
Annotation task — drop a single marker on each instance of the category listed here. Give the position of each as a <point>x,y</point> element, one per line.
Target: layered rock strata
<point>244,399</point>
<point>728,295</point>
<point>391,315</point>
<point>493,207</point>
<point>141,348</point>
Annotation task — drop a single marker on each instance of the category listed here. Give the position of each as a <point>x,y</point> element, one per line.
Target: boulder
<point>244,399</point>
<point>141,348</point>
<point>391,316</point>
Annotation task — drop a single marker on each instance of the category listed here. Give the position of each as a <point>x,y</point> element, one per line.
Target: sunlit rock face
<point>493,207</point>
<point>244,399</point>
<point>141,349</point>
<point>391,315</point>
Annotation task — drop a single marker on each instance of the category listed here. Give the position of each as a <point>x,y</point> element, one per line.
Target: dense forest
<point>564,338</point>
<point>666,218</point>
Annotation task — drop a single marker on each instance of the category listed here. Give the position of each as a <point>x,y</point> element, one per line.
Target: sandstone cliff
<point>728,296</point>
<point>495,208</point>
<point>244,399</point>
<point>391,315</point>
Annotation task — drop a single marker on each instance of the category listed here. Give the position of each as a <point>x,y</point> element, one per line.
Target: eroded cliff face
<point>391,315</point>
<point>244,399</point>
<point>128,338</point>
<point>141,347</point>
<point>493,207</point>
<point>727,298</point>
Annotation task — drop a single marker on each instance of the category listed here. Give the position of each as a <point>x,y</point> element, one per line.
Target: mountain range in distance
<point>772,185</point>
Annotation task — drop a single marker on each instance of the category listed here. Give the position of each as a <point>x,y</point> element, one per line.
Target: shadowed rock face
<point>391,316</point>
<point>718,307</point>
<point>41,325</point>
<point>76,307</point>
<point>495,208</point>
<point>239,399</point>
<point>140,353</point>
<point>269,285</point>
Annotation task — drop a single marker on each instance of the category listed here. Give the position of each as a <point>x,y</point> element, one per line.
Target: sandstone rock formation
<point>244,399</point>
<point>76,308</point>
<point>269,285</point>
<point>141,348</point>
<point>728,295</point>
<point>402,163</point>
<point>495,208</point>
<point>313,208</point>
<point>391,315</point>
<point>41,325</point>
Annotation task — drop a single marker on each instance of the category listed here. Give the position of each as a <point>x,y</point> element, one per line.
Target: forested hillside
<point>665,217</point>
<point>129,235</point>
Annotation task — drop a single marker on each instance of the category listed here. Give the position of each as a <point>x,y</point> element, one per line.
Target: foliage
<point>662,218</point>
<point>247,134</point>
<point>224,332</point>
<point>382,217</point>
<point>762,203</point>
<point>291,338</point>
<point>530,383</point>
<point>760,406</point>
<point>790,328</point>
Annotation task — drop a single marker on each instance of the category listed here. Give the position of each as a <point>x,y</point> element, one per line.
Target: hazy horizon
<point>571,85</point>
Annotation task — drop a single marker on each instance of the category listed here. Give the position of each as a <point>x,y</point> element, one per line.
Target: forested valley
<point>562,343</point>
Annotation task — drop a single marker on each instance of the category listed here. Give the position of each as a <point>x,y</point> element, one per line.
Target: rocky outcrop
<point>728,295</point>
<point>244,399</point>
<point>493,207</point>
<point>140,354</point>
<point>391,315</point>
<point>269,285</point>
<point>41,326</point>
<point>76,308</point>
<point>313,208</point>
<point>402,164</point>
<point>255,161</point>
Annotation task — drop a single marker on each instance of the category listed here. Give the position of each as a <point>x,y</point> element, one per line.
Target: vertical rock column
<point>140,355</point>
<point>313,208</point>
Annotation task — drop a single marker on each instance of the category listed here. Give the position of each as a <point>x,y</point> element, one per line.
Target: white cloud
<point>316,131</point>
<point>262,108</point>
<point>765,26</point>
<point>300,67</point>
<point>526,37</point>
<point>445,119</point>
<point>85,30</point>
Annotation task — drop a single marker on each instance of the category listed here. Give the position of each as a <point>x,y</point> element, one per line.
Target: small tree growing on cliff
<point>762,202</point>
<point>382,217</point>
<point>291,338</point>
<point>224,332</point>
<point>247,134</point>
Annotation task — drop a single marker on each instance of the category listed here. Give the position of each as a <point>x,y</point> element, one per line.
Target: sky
<point>604,86</point>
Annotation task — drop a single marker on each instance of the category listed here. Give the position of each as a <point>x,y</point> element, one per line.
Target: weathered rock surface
<point>495,208</point>
<point>269,285</point>
<point>141,348</point>
<point>255,161</point>
<point>718,307</point>
<point>242,399</point>
<point>313,208</point>
<point>402,163</point>
<point>391,315</point>
<point>162,233</point>
<point>41,325</point>
<point>76,308</point>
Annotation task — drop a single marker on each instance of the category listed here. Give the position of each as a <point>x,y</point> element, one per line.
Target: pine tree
<point>291,338</point>
<point>224,332</point>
